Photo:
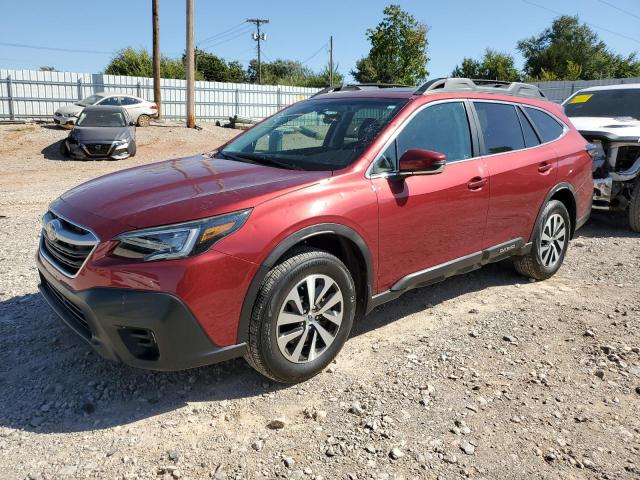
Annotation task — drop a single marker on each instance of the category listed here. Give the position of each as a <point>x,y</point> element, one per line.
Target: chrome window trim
<point>43,254</point>
<point>565,130</point>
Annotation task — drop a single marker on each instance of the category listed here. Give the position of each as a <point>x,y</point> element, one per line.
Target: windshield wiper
<point>259,159</point>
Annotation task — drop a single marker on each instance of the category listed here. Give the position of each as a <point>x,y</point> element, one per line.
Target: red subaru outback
<point>272,245</point>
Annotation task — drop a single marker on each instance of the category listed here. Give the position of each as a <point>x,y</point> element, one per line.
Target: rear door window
<point>500,127</point>
<point>549,127</point>
<point>129,101</point>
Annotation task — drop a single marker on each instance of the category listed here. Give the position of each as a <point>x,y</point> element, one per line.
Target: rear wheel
<point>302,316</point>
<point>144,121</point>
<point>634,208</point>
<point>550,243</point>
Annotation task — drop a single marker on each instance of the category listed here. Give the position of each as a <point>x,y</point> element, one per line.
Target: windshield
<point>315,135</point>
<point>93,99</point>
<point>605,103</point>
<point>93,118</point>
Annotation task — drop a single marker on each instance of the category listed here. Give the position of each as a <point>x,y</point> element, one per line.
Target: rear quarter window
<point>548,127</point>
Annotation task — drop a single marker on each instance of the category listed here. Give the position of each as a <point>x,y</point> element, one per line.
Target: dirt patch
<point>484,376</point>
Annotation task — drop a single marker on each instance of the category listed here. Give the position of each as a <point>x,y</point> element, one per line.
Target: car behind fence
<point>34,95</point>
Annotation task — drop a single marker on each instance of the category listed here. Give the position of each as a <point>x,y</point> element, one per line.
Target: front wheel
<point>634,208</point>
<point>550,243</point>
<point>302,316</point>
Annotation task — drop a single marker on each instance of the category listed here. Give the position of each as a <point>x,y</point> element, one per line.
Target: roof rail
<point>479,86</point>
<point>357,86</point>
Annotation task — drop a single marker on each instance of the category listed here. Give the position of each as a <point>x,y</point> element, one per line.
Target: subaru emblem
<point>51,229</point>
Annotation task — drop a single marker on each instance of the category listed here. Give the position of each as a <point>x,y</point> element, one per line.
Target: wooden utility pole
<point>331,60</point>
<point>190,67</point>
<point>258,37</point>
<point>156,55</point>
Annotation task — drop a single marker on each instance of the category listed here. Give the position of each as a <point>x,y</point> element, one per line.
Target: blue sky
<point>297,30</point>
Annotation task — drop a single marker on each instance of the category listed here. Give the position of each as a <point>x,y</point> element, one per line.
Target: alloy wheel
<point>309,318</point>
<point>553,240</point>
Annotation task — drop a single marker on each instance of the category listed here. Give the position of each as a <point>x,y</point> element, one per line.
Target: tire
<point>64,150</point>
<point>275,311</point>
<point>634,208</point>
<point>546,257</point>
<point>144,120</point>
<point>132,149</point>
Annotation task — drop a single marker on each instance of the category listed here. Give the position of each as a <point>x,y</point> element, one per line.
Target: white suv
<point>609,117</point>
<point>139,110</point>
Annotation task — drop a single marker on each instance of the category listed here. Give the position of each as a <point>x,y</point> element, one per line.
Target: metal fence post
<point>237,101</point>
<point>279,99</point>
<point>10,95</point>
<point>79,89</point>
<point>139,90</point>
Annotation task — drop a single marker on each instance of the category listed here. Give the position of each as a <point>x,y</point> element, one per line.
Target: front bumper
<point>144,329</point>
<point>77,150</point>
<point>62,120</point>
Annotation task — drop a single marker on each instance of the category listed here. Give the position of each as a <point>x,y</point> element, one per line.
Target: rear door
<point>134,106</point>
<point>427,220</point>
<point>522,167</point>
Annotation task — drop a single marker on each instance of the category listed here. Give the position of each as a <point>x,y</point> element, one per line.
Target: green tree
<point>493,66</point>
<point>47,68</point>
<point>138,63</point>
<point>398,51</point>
<point>291,72</point>
<point>571,50</point>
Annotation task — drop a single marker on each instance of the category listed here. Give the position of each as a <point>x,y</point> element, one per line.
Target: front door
<point>426,220</point>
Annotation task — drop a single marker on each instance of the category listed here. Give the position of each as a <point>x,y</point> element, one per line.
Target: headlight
<point>121,143</point>
<point>178,241</point>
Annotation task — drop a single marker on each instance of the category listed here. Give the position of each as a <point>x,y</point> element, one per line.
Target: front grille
<point>75,313</point>
<point>65,245</point>
<point>98,148</point>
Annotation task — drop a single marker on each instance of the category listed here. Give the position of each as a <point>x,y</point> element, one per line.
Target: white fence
<point>27,94</point>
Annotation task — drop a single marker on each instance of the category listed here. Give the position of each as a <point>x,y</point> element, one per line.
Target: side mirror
<point>132,124</point>
<point>421,162</point>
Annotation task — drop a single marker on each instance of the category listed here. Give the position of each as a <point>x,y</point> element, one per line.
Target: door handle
<point>544,167</point>
<point>476,183</point>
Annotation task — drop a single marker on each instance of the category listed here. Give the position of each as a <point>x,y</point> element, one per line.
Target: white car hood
<point>620,126</point>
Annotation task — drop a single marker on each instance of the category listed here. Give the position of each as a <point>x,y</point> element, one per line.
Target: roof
<point>451,85</point>
<point>621,86</point>
<point>398,92</point>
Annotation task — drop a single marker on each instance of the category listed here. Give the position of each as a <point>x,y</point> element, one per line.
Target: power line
<point>315,54</point>
<point>55,49</point>
<point>597,27</point>
<point>222,38</point>
<point>233,37</point>
<point>626,12</point>
<point>219,34</point>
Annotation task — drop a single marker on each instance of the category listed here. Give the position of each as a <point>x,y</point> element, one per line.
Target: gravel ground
<point>484,376</point>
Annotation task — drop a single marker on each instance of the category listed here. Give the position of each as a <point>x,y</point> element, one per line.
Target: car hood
<point>70,109</point>
<point>181,190</point>
<point>619,126</point>
<point>101,134</point>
